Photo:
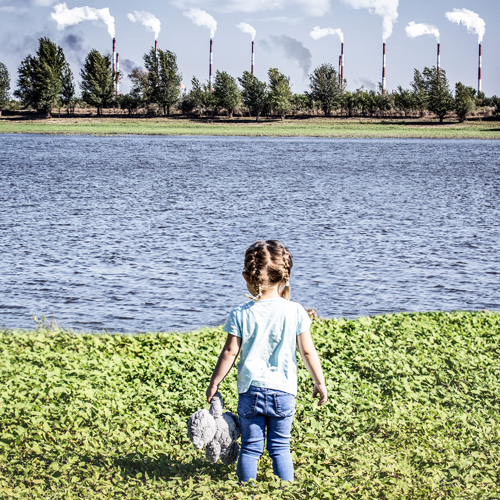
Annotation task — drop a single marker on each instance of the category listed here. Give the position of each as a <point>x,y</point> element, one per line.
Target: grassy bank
<point>414,412</point>
<point>304,127</point>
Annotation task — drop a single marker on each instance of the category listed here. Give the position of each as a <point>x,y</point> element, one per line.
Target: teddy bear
<point>217,431</point>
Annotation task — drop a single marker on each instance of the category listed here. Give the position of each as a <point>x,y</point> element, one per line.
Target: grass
<point>414,412</point>
<point>291,127</point>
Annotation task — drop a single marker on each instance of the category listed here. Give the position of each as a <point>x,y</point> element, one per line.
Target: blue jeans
<point>259,408</point>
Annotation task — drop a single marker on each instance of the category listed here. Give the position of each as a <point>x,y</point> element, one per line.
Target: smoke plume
<point>293,49</point>
<point>128,65</point>
<point>318,33</point>
<point>147,19</point>
<point>246,28</point>
<point>413,30</point>
<point>69,17</point>
<point>202,18</point>
<point>387,9</point>
<point>470,20</point>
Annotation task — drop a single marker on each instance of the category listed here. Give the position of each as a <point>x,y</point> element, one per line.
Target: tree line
<point>45,81</point>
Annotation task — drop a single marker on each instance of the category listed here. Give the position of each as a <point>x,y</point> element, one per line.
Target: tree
<point>418,92</point>
<point>40,78</point>
<point>464,100</point>
<point>152,66</point>
<point>201,96</point>
<point>97,81</point>
<point>4,86</point>
<point>68,88</point>
<point>348,102</point>
<point>404,100</point>
<point>325,88</point>
<point>280,93</point>
<point>439,98</point>
<point>226,92</point>
<point>168,90</point>
<point>254,94</point>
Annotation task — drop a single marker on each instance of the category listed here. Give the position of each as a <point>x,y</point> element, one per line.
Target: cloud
<point>292,21</point>
<point>387,9</point>
<point>151,22</point>
<point>202,18</point>
<point>43,3</point>
<point>470,20</point>
<point>246,28</point>
<point>318,33</point>
<point>292,48</point>
<point>69,17</point>
<point>128,65</point>
<point>413,30</point>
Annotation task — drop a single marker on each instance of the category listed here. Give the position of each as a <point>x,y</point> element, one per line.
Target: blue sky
<point>283,37</point>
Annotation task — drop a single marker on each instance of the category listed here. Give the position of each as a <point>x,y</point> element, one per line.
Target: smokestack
<point>156,46</point>
<point>340,69</point>
<point>480,70</point>
<point>117,74</point>
<point>439,59</point>
<point>342,63</point>
<point>114,55</point>
<point>384,83</point>
<point>253,57</point>
<point>210,72</point>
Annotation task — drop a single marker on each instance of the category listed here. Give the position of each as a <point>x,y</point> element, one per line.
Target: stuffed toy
<point>217,431</point>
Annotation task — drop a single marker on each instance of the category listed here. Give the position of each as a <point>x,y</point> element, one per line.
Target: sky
<point>282,38</point>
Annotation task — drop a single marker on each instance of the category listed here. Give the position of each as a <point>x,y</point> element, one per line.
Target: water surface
<point>148,233</point>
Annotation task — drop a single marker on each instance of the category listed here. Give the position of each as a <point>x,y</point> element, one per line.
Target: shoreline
<point>349,128</point>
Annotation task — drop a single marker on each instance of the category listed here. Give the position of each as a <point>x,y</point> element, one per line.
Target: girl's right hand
<point>321,390</point>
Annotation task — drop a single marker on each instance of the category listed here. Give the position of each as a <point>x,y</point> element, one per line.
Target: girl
<point>265,332</point>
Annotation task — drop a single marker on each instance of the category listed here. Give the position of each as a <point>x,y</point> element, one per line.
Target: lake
<point>146,233</point>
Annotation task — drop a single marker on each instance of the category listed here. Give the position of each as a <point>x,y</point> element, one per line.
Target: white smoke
<point>202,18</point>
<point>147,19</point>
<point>387,9</point>
<point>470,20</point>
<point>69,17</point>
<point>413,30</point>
<point>318,33</point>
<point>246,28</point>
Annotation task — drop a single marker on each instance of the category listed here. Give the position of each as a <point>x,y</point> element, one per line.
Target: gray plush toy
<point>217,431</point>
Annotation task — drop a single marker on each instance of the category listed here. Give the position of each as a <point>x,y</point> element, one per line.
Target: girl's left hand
<point>212,389</point>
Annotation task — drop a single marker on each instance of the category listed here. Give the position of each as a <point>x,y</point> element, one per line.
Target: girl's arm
<point>226,361</point>
<point>311,360</point>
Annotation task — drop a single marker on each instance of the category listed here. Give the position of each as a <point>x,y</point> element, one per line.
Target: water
<point>148,233</point>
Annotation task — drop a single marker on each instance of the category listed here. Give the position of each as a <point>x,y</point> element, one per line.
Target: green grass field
<point>291,127</point>
<point>413,412</point>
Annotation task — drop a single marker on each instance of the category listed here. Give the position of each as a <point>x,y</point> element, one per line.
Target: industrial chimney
<point>340,69</point>
<point>156,46</point>
<point>342,64</point>
<point>480,70</point>
<point>253,58</point>
<point>384,83</point>
<point>114,60</point>
<point>438,66</point>
<point>210,70</point>
<point>117,74</point>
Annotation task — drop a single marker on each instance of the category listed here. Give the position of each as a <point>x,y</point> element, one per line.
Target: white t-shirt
<point>268,329</point>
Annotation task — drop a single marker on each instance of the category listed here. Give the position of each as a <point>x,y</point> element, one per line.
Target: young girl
<point>265,332</point>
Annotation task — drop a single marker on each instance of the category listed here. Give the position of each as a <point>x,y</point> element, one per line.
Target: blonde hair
<point>268,263</point>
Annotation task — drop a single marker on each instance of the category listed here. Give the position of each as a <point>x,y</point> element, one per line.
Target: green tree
<point>97,81</point>
<point>254,94</point>
<point>465,101</point>
<point>68,88</point>
<point>226,92</point>
<point>280,93</point>
<point>4,86</point>
<point>168,90</point>
<point>439,98</point>
<point>152,66</point>
<point>39,84</point>
<point>325,88</point>
<point>419,92</point>
<point>348,102</point>
<point>404,100</point>
<point>202,97</point>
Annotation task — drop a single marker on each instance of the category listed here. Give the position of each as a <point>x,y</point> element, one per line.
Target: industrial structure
<point>253,58</point>
<point>384,82</point>
<point>210,69</point>
<point>480,70</point>
<point>438,65</point>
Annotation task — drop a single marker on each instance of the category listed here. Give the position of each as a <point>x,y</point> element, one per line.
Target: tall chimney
<point>342,64</point>
<point>384,83</point>
<point>117,74</point>
<point>480,70</point>
<point>114,60</point>
<point>210,72</point>
<point>156,46</point>
<point>439,59</point>
<point>253,58</point>
<point>340,70</point>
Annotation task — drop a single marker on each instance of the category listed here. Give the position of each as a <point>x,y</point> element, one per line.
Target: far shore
<point>418,128</point>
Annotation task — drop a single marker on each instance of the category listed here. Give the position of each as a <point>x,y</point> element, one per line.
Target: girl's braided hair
<point>268,263</point>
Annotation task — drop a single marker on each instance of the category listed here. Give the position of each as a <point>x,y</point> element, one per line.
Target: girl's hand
<point>321,390</point>
<point>212,389</point>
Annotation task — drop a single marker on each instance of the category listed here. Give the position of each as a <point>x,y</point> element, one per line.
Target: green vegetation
<point>413,413</point>
<point>4,86</point>
<point>310,127</point>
